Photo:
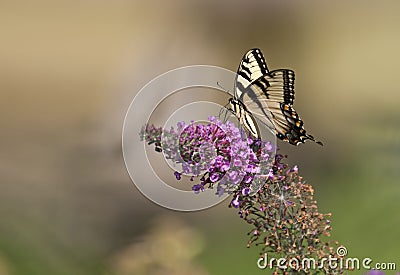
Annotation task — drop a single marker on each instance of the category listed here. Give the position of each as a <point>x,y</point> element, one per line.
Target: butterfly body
<point>269,96</point>
<point>244,116</point>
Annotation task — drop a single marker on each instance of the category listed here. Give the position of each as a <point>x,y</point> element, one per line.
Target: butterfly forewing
<point>251,68</point>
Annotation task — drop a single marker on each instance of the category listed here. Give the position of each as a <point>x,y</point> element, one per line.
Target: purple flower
<point>252,157</point>
<point>235,203</point>
<point>248,178</point>
<point>252,168</point>
<point>271,174</point>
<point>177,175</point>
<point>214,177</point>
<point>237,162</point>
<point>181,125</point>
<point>225,166</point>
<point>233,175</point>
<point>246,191</point>
<point>257,143</point>
<point>197,188</point>
<point>375,272</point>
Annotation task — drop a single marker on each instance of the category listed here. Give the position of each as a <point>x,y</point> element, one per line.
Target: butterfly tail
<point>310,137</point>
<point>296,134</point>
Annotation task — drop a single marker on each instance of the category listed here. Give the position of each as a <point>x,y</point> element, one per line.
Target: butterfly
<point>267,96</point>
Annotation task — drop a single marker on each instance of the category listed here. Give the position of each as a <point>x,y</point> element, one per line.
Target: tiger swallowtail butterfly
<point>267,96</point>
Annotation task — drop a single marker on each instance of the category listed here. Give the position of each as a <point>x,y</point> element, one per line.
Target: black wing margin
<point>292,129</point>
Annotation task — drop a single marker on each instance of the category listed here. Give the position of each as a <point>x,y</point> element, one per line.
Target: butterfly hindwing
<point>289,126</point>
<point>281,85</point>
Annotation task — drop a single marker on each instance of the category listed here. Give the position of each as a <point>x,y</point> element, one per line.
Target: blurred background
<point>69,70</point>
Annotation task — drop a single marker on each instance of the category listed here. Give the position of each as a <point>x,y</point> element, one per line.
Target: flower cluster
<point>270,195</point>
<point>217,151</point>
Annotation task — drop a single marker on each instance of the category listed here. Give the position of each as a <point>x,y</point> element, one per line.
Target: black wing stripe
<point>260,61</point>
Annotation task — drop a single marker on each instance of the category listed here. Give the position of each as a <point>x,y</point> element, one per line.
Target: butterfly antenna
<point>223,88</point>
<point>226,113</point>
<point>310,137</point>
<point>223,109</point>
<point>220,86</point>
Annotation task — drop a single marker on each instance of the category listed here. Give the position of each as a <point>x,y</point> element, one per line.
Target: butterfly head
<point>234,106</point>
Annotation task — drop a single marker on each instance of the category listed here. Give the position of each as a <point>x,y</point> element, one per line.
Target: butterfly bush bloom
<point>268,194</point>
<point>216,150</point>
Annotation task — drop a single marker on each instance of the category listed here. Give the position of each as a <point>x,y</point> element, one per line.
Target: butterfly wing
<point>277,85</point>
<point>273,107</point>
<point>269,96</point>
<point>251,68</point>
<point>245,117</point>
